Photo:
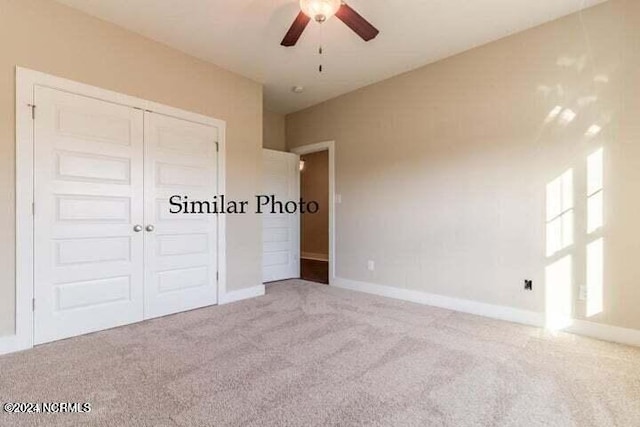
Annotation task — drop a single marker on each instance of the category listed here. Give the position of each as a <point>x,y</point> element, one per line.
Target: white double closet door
<point>107,251</point>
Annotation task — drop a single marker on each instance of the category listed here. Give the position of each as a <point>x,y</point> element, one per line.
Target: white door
<point>180,249</point>
<point>88,197</point>
<point>280,232</point>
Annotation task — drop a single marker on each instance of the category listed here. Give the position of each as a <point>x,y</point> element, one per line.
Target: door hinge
<point>33,304</point>
<point>217,147</point>
<point>33,209</point>
<point>217,276</point>
<point>33,111</point>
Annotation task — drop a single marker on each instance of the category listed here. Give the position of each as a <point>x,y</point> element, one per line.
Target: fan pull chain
<point>320,49</point>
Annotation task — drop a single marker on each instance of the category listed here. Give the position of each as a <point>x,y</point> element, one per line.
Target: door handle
<point>137,228</point>
<point>150,228</point>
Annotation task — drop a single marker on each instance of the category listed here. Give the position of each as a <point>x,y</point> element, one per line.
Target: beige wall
<point>443,170</point>
<point>52,38</point>
<point>314,186</point>
<point>273,131</point>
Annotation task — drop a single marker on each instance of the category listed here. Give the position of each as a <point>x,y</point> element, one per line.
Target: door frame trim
<point>331,147</point>
<point>26,81</point>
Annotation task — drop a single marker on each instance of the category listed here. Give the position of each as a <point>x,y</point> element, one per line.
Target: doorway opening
<point>316,229</point>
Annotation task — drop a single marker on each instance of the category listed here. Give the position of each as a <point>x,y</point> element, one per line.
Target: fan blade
<point>294,33</point>
<point>357,23</point>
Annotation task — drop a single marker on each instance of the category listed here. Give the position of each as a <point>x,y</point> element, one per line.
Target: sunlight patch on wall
<point>595,222</point>
<point>560,213</point>
<point>553,114</point>
<point>595,197</point>
<point>567,117</point>
<point>593,131</point>
<point>559,293</point>
<point>595,277</point>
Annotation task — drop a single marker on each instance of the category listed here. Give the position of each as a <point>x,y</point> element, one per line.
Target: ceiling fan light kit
<point>320,11</point>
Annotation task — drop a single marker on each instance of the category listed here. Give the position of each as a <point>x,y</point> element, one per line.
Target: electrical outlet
<point>582,296</point>
<point>371,265</point>
<point>528,285</point>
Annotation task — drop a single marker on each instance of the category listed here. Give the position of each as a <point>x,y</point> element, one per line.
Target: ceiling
<point>244,36</point>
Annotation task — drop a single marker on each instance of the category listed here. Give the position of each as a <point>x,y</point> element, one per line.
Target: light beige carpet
<point>307,354</point>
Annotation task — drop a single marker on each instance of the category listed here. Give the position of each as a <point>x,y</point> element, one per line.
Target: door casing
<point>314,148</point>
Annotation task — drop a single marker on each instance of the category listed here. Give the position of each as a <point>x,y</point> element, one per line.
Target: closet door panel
<point>180,249</point>
<point>88,260</point>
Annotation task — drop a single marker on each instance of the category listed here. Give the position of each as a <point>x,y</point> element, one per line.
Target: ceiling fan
<point>320,11</point>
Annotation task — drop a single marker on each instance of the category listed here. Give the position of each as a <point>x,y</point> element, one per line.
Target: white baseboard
<point>242,294</point>
<point>12,344</point>
<point>533,318</point>
<point>315,257</point>
<point>466,306</point>
<point>605,332</point>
